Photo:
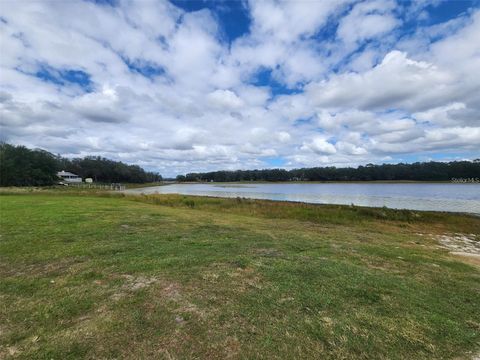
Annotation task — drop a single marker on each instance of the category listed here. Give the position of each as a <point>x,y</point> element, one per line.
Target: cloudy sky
<point>193,86</point>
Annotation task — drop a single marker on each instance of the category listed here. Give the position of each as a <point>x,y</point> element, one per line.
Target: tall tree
<point>20,166</point>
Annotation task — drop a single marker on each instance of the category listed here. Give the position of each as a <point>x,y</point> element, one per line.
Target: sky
<point>193,86</point>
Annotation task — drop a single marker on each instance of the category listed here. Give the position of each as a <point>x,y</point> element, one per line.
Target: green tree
<point>20,166</point>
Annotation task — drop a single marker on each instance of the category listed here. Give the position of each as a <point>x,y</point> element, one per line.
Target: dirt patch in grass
<point>463,246</point>
<point>175,294</point>
<point>140,282</point>
<point>133,284</point>
<point>244,279</point>
<point>460,243</point>
<point>171,291</point>
<point>466,247</point>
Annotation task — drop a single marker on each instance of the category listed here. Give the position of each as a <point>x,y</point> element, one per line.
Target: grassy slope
<point>188,277</point>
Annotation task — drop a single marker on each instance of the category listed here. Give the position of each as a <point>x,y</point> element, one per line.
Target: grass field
<point>175,277</point>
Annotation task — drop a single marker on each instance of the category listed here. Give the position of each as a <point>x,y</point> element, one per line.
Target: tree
<point>105,170</point>
<point>20,166</point>
<point>428,171</point>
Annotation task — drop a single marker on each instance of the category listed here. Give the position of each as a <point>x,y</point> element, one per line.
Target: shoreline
<point>301,203</point>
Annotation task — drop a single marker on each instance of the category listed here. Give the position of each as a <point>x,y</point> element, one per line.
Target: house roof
<point>65,173</point>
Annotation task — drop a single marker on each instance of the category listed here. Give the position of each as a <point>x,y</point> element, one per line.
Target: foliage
<point>426,171</point>
<point>105,170</point>
<point>20,166</point>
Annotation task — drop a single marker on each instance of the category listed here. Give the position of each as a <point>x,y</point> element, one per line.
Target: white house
<point>69,177</point>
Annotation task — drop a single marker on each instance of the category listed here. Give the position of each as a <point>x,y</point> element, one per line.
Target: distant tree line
<point>419,171</point>
<point>20,166</point>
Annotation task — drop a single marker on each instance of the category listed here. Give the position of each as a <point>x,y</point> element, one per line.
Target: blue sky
<point>186,86</point>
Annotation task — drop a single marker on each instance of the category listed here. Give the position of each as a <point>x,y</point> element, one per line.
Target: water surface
<point>413,196</point>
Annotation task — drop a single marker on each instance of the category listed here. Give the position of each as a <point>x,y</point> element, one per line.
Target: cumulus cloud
<point>103,106</point>
<point>367,20</point>
<point>397,82</point>
<point>225,99</point>
<point>323,83</point>
<point>319,146</point>
<point>286,21</point>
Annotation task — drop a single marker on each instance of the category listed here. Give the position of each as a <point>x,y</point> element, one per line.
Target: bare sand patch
<point>460,243</point>
<point>465,246</point>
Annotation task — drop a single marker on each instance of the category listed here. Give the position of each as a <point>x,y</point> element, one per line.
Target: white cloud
<point>283,136</point>
<point>225,99</point>
<point>319,146</point>
<point>104,106</point>
<point>367,20</point>
<point>397,82</point>
<point>286,21</point>
<point>350,149</point>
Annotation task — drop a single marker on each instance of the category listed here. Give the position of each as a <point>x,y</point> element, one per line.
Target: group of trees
<point>105,170</point>
<point>419,171</point>
<point>20,166</point>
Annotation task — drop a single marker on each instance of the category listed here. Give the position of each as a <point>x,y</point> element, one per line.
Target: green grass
<point>89,276</point>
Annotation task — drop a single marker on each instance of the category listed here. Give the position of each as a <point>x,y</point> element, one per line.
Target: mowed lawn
<point>194,278</point>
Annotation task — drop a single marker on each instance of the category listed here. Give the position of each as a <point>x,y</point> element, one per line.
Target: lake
<point>413,196</point>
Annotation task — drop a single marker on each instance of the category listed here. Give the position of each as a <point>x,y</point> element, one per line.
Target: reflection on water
<point>414,196</point>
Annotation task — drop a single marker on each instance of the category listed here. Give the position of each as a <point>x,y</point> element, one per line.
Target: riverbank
<point>463,198</point>
<point>115,276</point>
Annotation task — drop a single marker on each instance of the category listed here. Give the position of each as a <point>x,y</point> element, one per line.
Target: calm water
<point>437,197</point>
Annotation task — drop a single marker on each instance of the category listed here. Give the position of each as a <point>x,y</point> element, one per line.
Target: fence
<point>113,186</point>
